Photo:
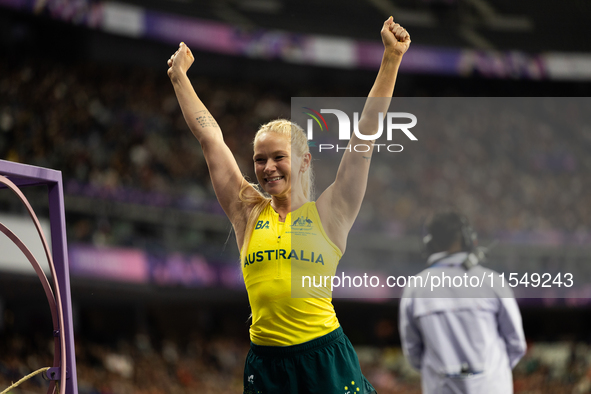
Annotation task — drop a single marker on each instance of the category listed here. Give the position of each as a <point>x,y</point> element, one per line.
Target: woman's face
<point>273,163</point>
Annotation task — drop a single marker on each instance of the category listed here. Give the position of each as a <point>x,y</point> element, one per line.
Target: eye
<point>279,157</point>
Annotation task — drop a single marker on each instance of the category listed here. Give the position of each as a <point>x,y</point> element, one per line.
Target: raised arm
<point>339,205</point>
<point>223,169</point>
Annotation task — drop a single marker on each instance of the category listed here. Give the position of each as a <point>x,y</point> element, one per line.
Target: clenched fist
<point>395,37</point>
<point>180,61</point>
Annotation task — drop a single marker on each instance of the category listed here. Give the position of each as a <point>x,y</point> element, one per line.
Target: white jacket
<point>464,340</point>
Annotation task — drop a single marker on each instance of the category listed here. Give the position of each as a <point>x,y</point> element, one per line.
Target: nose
<point>270,166</point>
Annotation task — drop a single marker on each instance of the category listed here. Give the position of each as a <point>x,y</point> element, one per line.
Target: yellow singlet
<point>300,241</point>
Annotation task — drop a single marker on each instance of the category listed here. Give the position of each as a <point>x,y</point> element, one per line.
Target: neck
<point>287,203</point>
<point>455,247</point>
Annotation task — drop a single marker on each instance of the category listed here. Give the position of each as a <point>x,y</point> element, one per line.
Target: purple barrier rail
<point>16,175</point>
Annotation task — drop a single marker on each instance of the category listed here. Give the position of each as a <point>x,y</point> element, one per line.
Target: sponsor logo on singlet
<point>302,222</point>
<point>302,226</point>
<point>262,225</point>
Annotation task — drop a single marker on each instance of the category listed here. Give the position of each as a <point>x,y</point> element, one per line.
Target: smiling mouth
<point>274,179</point>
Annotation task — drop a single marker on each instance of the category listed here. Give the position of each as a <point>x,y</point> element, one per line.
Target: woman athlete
<point>297,344</point>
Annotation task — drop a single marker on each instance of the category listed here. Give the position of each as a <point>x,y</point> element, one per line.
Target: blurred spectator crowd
<point>215,365</point>
<point>518,170</point>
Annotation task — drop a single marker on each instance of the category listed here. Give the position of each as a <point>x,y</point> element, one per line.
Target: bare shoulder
<point>333,221</point>
<point>245,202</point>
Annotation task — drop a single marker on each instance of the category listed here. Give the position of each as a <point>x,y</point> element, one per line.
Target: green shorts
<point>326,365</point>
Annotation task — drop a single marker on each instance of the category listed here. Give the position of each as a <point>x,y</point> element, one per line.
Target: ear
<point>306,160</point>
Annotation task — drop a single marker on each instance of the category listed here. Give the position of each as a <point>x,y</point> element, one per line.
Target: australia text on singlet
<point>278,250</point>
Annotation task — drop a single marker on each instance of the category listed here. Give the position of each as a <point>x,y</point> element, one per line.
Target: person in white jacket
<point>464,336</point>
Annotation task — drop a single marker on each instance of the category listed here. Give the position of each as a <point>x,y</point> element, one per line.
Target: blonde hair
<point>299,147</point>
